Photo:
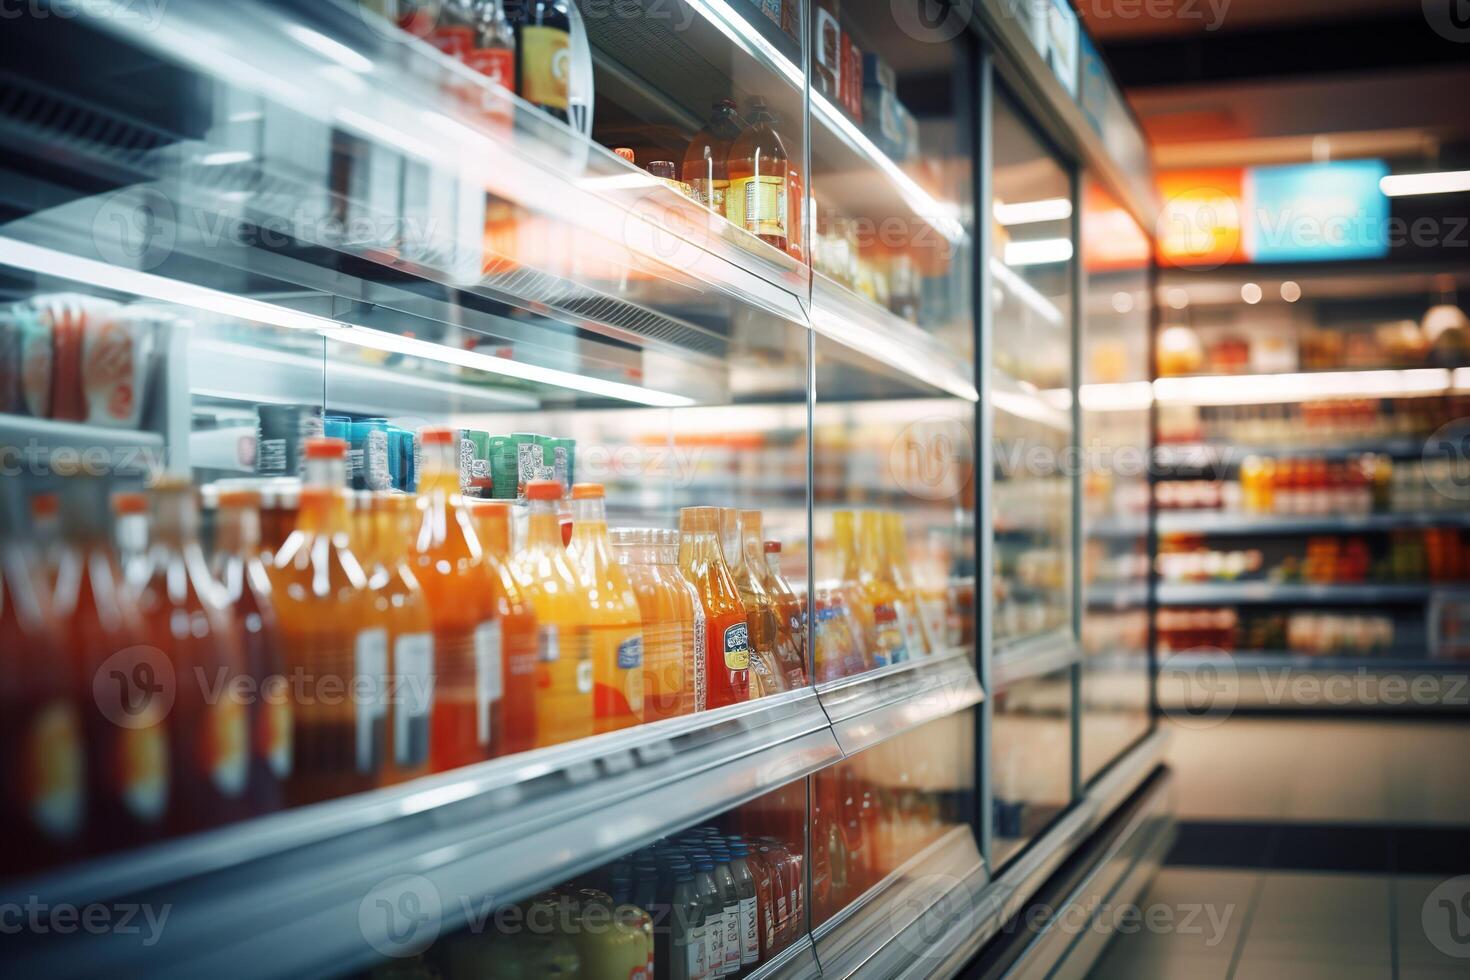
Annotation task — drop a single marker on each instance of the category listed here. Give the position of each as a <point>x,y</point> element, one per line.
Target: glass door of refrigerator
<point>1115,396</point>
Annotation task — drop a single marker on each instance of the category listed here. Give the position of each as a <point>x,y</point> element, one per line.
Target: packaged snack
<point>117,350</point>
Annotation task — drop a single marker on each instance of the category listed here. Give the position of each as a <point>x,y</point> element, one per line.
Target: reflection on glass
<point>1115,438</point>
<point>879,809</point>
<point>1031,758</point>
<point>716,899</point>
<point>1030,276</point>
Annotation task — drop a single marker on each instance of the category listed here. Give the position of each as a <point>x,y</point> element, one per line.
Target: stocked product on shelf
<point>759,170</point>
<point>1262,349</point>
<point>727,631</point>
<point>1111,631</point>
<point>78,358</point>
<point>1312,633</point>
<point>674,683</point>
<point>615,636</point>
<point>706,160</point>
<point>1311,423</point>
<point>1417,555</point>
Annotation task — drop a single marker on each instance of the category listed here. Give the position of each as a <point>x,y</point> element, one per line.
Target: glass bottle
<point>713,908</point>
<point>42,765</point>
<point>686,926</point>
<point>542,39</point>
<point>727,648</point>
<point>663,605</point>
<point>127,744</point>
<point>517,628</point>
<point>759,170</point>
<point>615,625</point>
<point>236,564</point>
<point>493,53</point>
<point>719,852</point>
<point>449,564</point>
<point>745,891</point>
<point>185,616</point>
<point>766,676</point>
<point>895,556</point>
<point>564,669</point>
<point>336,654</point>
<point>883,607</point>
<point>706,161</point>
<point>787,655</point>
<point>399,600</point>
<point>790,610</point>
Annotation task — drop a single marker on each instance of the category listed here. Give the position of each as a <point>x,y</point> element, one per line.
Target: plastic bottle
<point>760,613</point>
<point>745,890</point>
<point>564,669</point>
<point>468,637</point>
<point>687,959</point>
<point>727,654</point>
<point>883,606</point>
<point>185,616</point>
<point>666,605</point>
<point>237,566</point>
<point>615,624</point>
<point>337,655</point>
<point>714,910</point>
<point>759,170</point>
<point>518,628</point>
<point>719,851</point>
<point>849,590</point>
<point>786,650</point>
<point>399,599</point>
<point>707,158</point>
<point>44,807</point>
<point>693,628</point>
<point>790,610</point>
<point>130,530</point>
<point>894,555</point>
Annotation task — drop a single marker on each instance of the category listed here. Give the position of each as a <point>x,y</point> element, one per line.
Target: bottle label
<point>454,41</point>
<point>630,653</point>
<point>714,944</point>
<point>701,680</point>
<point>548,644</point>
<point>528,463</point>
<point>737,647</point>
<point>487,675</point>
<point>758,204</point>
<point>733,941</point>
<point>370,660</point>
<point>545,66</point>
<point>750,945</point>
<point>53,758</point>
<point>375,460</point>
<point>144,771</point>
<point>225,746</point>
<point>697,951</point>
<point>413,686</point>
<point>584,677</point>
<point>908,626</point>
<point>496,64</point>
<point>829,37</point>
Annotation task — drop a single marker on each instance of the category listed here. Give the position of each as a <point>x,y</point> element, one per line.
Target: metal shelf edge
<point>874,707</point>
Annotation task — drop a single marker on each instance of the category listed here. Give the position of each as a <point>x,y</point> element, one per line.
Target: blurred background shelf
<point>1206,593</point>
<point>1216,522</point>
<point>874,707</point>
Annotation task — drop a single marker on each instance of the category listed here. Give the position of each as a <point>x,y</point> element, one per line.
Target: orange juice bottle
<point>694,631</point>
<point>727,634</point>
<point>237,566</point>
<point>894,555</point>
<point>765,678</point>
<point>883,606</point>
<point>767,643</point>
<point>563,657</point>
<point>790,616</point>
<point>399,599</point>
<point>850,590</point>
<point>121,691</point>
<point>666,606</point>
<point>185,617</point>
<point>517,628</point>
<point>43,808</point>
<point>616,625</point>
<point>450,565</point>
<point>336,650</point>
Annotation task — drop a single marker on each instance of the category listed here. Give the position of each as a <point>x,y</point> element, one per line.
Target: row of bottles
<point>336,641</point>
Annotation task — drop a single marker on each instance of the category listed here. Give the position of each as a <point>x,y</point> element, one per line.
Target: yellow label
<point>546,65</point>
<point>758,204</point>
<point>226,756</point>
<point>143,770</point>
<point>54,757</point>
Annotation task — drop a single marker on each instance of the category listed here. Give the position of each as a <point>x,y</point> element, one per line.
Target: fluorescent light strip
<point>49,262</point>
<point>1122,396</point>
<point>1265,389</point>
<point>1043,251</point>
<point>335,50</point>
<point>1027,293</point>
<point>733,25</point>
<point>1408,185</point>
<point>1031,212</point>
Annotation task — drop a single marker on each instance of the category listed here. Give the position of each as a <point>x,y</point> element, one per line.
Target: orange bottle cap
<point>325,447</point>
<point>543,490</point>
<point>772,547</point>
<point>45,505</point>
<point>436,436</point>
<point>239,497</point>
<point>128,503</point>
<point>588,491</point>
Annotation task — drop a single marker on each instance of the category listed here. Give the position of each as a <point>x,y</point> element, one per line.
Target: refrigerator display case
<point>1308,466</point>
<point>361,369</point>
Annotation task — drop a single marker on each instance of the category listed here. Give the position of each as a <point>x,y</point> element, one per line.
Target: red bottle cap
<point>436,436</point>
<point>588,491</point>
<point>543,490</point>
<point>325,447</point>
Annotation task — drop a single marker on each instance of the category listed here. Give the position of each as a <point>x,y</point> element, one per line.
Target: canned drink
<point>337,427</point>
<point>370,447</point>
<point>564,462</point>
<point>529,459</point>
<point>395,457</point>
<point>280,433</point>
<point>504,470</point>
<point>480,478</point>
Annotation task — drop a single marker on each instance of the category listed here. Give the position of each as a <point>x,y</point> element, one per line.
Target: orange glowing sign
<point>1201,217</point>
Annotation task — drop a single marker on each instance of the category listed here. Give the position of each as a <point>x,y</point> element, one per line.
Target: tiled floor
<point>1263,925</point>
